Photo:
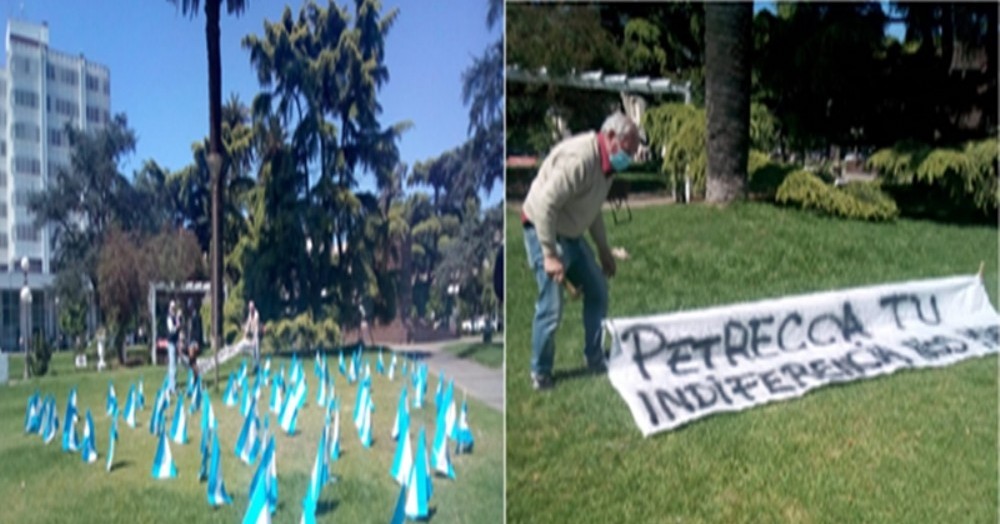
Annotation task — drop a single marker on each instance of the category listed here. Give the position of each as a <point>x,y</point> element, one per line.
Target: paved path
<point>481,382</point>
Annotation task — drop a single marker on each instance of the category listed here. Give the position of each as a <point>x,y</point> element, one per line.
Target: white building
<point>42,90</point>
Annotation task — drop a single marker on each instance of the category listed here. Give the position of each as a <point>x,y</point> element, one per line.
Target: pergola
<point>598,81</point>
<point>171,289</point>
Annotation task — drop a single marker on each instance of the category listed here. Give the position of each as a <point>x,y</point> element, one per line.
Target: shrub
<point>41,354</point>
<point>765,176</point>
<point>301,333</point>
<point>857,200</point>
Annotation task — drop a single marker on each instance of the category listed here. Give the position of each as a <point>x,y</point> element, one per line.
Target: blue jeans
<point>171,365</point>
<point>582,271</point>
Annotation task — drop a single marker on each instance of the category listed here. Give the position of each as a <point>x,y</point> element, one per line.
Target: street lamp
<point>25,314</point>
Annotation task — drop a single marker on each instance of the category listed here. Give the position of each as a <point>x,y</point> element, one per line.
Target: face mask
<point>620,161</point>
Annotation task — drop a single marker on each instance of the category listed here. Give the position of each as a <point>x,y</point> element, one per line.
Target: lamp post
<point>25,314</point>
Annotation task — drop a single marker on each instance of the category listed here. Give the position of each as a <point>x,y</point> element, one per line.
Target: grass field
<point>41,483</point>
<point>917,446</point>
<point>489,355</point>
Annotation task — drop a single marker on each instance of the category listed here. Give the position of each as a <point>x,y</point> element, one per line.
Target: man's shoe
<point>541,381</point>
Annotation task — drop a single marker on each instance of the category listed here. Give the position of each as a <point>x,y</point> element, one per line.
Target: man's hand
<point>608,262</point>
<point>554,268</point>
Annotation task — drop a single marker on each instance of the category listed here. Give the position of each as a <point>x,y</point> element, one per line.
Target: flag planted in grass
<point>319,478</point>
<point>112,438</point>
<point>418,487</point>
<point>52,426</point>
<point>216,489</point>
<point>392,368</point>
<point>402,412</point>
<point>463,434</point>
<point>88,449</point>
<point>178,429</point>
<point>335,435</point>
<point>69,441</point>
<point>266,476</point>
<point>248,445</point>
<point>229,397</point>
<point>130,407</point>
<point>290,410</point>
<point>258,510</point>
<point>402,461</point>
<point>112,402</point>
<point>163,461</point>
<point>32,415</point>
<point>440,459</point>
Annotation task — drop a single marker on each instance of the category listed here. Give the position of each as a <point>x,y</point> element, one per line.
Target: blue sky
<point>159,71</point>
<point>897,30</point>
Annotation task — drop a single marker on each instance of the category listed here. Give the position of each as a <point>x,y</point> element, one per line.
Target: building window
<point>3,209</point>
<point>22,64</point>
<point>27,166</point>
<point>55,167</point>
<point>23,97</point>
<point>106,84</point>
<point>55,137</point>
<point>3,240</point>
<point>26,233</point>
<point>69,77</point>
<point>3,148</point>
<point>3,178</point>
<point>50,71</point>
<point>26,131</point>
<point>3,118</point>
<point>93,115</point>
<point>93,84</point>
<point>22,196</point>
<point>67,107</point>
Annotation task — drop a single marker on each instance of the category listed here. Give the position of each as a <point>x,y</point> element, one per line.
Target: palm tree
<point>727,98</point>
<point>212,39</point>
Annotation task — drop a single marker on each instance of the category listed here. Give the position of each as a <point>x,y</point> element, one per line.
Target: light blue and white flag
<point>178,430</point>
<point>399,513</point>
<point>352,372</point>
<point>266,475</point>
<point>52,426</point>
<point>392,368</point>
<point>189,389</point>
<point>402,461</point>
<point>248,443</point>
<point>208,420</point>
<point>217,495</point>
<point>418,392</point>
<point>418,487</point>
<point>320,471</point>
<point>112,438</point>
<point>112,402</point>
<point>321,389</point>
<point>316,365</point>
<point>256,387</point>
<point>88,450</point>
<point>402,415</point>
<point>361,401</point>
<point>463,434</point>
<point>440,459</point>
<point>289,413</point>
<point>205,449</point>
<point>196,397</point>
<point>229,397</point>
<point>130,407</point>
<point>335,438</point>
<point>380,364</point>
<point>276,388</point>
<point>241,376</point>
<point>368,370</point>
<point>258,511</point>
<point>267,372</point>
<point>448,409</point>
<point>163,462</point>
<point>41,416</point>
<point>32,414</point>
<point>141,398</point>
<point>439,391</point>
<point>365,431</point>
<point>69,442</point>
<point>244,404</point>
<point>342,366</point>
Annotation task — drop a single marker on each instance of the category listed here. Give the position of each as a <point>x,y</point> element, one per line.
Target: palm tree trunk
<point>727,98</point>
<point>213,36</point>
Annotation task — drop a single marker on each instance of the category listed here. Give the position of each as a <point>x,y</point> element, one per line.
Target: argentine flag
<point>89,448</point>
<point>402,462</point>
<point>392,368</point>
<point>343,368</point>
<point>365,431</point>
<point>244,405</point>
<point>248,445</point>
<point>321,389</point>
<point>217,495</point>
<point>52,426</point>
<point>267,476</point>
<point>229,397</point>
<point>380,364</point>
<point>463,435</point>
<point>320,474</point>
<point>142,396</point>
<point>289,412</point>
<point>258,511</point>
<point>418,392</point>
<point>32,415</point>
<point>267,372</point>
<point>402,412</point>
<point>439,391</point>
<point>178,430</point>
<point>130,405</point>
<point>440,460</point>
<point>448,409</point>
<point>399,513</point>
<point>112,404</point>
<point>208,420</point>
<point>70,443</point>
<point>361,402</point>
<point>335,439</point>
<point>163,462</point>
<point>418,487</point>
<point>196,397</point>
<point>43,416</point>
<point>112,438</point>
<point>276,388</point>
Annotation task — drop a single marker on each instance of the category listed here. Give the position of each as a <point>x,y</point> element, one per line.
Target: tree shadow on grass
<point>120,464</point>
<point>325,506</point>
<point>576,374</point>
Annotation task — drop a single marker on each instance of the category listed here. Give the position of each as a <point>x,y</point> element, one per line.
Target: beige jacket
<point>565,198</point>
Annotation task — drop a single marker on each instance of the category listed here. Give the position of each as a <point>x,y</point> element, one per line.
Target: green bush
<point>856,200</point>
<point>765,176</point>
<point>300,333</point>
<point>41,354</point>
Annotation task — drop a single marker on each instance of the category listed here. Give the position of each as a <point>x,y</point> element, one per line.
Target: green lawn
<point>917,446</point>
<point>489,355</point>
<point>40,483</point>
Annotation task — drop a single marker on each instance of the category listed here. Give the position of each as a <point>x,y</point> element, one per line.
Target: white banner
<point>672,369</point>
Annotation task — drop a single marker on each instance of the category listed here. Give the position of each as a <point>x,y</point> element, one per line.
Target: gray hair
<point>619,124</point>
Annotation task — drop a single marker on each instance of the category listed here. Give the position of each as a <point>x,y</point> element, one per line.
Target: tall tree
<point>482,91</point>
<point>727,96</point>
<point>215,153</point>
